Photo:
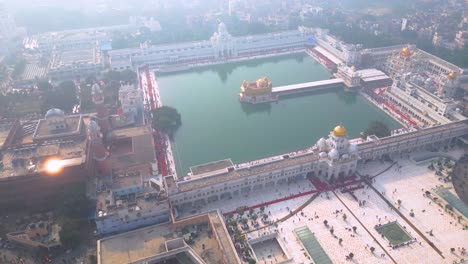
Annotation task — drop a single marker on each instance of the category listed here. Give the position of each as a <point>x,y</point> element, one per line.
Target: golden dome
<point>451,75</point>
<point>263,80</point>
<point>339,131</point>
<point>406,52</point>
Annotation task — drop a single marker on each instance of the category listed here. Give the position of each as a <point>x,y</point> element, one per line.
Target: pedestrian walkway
<point>452,200</point>
<point>312,245</point>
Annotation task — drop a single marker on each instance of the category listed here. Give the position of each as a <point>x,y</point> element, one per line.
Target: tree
<point>128,76</point>
<point>74,203</point>
<point>354,229</point>
<point>19,68</point>
<point>344,217</point>
<point>44,85</point>
<point>254,217</point>
<point>63,97</point>
<point>340,240</point>
<point>166,119</point>
<point>351,255</point>
<point>112,76</point>
<point>86,97</point>
<point>377,128</point>
<point>399,202</point>
<point>244,221</point>
<point>325,222</point>
<point>69,234</point>
<point>372,249</point>
<point>240,211</point>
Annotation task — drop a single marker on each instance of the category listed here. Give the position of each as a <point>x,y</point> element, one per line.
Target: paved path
<point>406,219</point>
<point>365,228</point>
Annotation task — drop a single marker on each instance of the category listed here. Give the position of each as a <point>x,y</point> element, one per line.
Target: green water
<point>215,125</point>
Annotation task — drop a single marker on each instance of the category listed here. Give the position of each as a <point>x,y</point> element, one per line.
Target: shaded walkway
<point>312,245</point>
<point>273,202</point>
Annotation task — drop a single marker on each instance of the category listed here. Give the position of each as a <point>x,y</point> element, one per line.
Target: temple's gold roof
<point>339,131</point>
<point>263,81</point>
<point>406,52</point>
<point>452,75</point>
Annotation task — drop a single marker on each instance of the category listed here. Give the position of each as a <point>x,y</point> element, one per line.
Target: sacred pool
<point>216,125</point>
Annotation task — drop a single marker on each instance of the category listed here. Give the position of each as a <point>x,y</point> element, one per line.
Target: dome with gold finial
<point>405,52</point>
<point>451,75</point>
<point>339,131</point>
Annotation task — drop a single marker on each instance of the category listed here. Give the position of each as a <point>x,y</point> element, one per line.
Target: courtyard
<point>413,228</point>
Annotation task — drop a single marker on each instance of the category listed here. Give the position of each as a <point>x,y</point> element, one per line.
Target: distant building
<point>132,103</point>
<point>461,39</point>
<point>141,21</point>
<point>179,241</point>
<point>132,195</point>
<point>37,236</point>
<point>75,64</point>
<point>404,23</point>
<point>220,46</point>
<point>67,40</point>
<point>410,60</point>
<point>350,54</point>
<point>28,149</point>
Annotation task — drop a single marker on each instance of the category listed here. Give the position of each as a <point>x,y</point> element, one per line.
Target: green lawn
<point>394,233</point>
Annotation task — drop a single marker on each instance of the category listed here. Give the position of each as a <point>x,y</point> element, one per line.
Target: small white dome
<point>323,154</point>
<point>322,144</point>
<point>353,148</point>
<point>54,113</point>
<point>93,127</point>
<point>95,89</point>
<point>334,154</point>
<point>222,28</point>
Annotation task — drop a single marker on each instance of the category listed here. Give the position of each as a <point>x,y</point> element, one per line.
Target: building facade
<point>220,46</point>
<point>330,158</point>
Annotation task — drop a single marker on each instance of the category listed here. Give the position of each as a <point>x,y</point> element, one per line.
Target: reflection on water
<point>348,97</point>
<point>249,109</point>
<point>225,70</point>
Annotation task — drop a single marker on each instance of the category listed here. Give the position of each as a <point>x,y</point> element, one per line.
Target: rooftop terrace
<point>156,243</point>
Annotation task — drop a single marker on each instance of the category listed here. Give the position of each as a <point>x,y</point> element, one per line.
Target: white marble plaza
<point>405,181</point>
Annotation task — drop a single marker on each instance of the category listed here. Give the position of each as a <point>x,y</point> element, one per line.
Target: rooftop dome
<point>339,131</point>
<point>54,112</point>
<point>93,127</point>
<point>406,52</point>
<point>95,89</point>
<point>452,75</point>
<point>334,154</point>
<point>222,28</point>
<point>321,143</point>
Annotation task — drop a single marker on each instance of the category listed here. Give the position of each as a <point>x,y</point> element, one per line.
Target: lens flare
<point>53,166</point>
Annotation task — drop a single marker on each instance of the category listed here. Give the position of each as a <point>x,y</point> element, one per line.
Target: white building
<point>330,158</point>
<point>132,103</point>
<point>221,46</point>
<point>350,54</point>
<point>75,63</point>
<point>67,40</point>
